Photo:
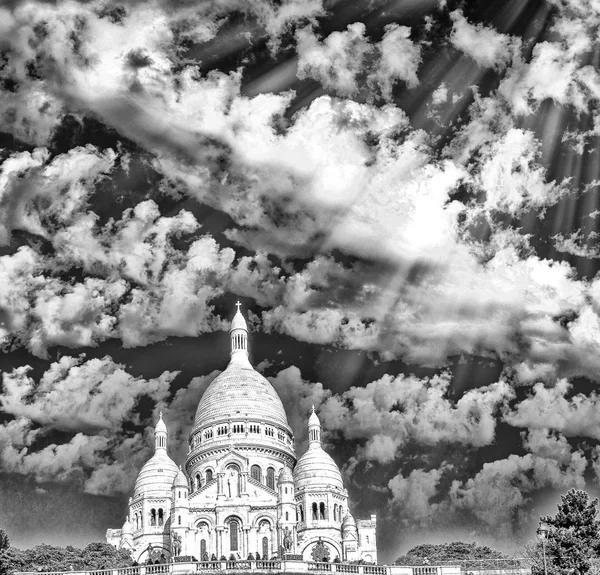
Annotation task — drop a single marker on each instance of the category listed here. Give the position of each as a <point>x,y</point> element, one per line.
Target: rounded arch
<point>308,544</point>
<point>270,477</point>
<point>234,524</point>
<point>233,459</point>
<point>204,519</point>
<point>263,517</point>
<point>208,474</point>
<point>256,472</point>
<point>157,549</point>
<point>232,517</point>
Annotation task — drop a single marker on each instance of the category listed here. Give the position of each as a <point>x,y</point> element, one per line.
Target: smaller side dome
<point>286,476</point>
<point>349,530</point>
<point>316,468</point>
<point>127,528</point>
<point>180,480</point>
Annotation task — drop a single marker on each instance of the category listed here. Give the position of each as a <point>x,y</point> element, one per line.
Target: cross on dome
<point>238,304</point>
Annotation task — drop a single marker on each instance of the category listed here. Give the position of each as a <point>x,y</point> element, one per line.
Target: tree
<point>574,534</point>
<point>457,552</point>
<point>4,545</point>
<point>49,558</point>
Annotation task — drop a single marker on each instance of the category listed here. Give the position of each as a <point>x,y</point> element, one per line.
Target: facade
<point>242,491</point>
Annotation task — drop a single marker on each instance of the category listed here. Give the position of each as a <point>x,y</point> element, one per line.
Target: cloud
<point>102,395</point>
<point>92,405</point>
<point>575,244</point>
<point>555,408</point>
<point>485,45</point>
<point>345,61</point>
<point>298,397</point>
<point>40,197</point>
<point>412,495</point>
<point>498,494</point>
<point>388,413</point>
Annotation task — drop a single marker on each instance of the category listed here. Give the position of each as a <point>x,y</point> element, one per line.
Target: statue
<point>175,544</point>
<point>320,552</point>
<point>287,539</point>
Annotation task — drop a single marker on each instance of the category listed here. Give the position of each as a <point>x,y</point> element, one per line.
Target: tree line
<point>50,558</point>
<point>570,546</point>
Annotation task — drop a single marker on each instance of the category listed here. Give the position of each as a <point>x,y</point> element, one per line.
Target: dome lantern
<point>238,333</point>
<point>160,434</point>
<point>314,428</point>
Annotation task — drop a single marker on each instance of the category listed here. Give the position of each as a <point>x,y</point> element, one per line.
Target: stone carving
<point>175,544</point>
<point>287,539</point>
<point>320,552</point>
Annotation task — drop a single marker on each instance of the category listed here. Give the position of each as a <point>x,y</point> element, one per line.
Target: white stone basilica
<point>242,491</point>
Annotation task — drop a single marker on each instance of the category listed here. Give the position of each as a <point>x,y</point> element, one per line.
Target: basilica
<point>242,493</point>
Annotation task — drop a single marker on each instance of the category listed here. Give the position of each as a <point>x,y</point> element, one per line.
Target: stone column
<point>219,541</point>
<point>220,485</point>
<point>246,543</point>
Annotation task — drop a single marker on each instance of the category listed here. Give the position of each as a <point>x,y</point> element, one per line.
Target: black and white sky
<point>402,193</point>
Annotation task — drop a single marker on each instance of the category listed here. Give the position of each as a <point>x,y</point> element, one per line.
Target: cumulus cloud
<point>102,395</point>
<point>389,412</point>
<point>555,408</point>
<point>102,402</point>
<point>298,397</point>
<point>412,495</point>
<point>486,46</point>
<point>347,61</point>
<point>497,495</point>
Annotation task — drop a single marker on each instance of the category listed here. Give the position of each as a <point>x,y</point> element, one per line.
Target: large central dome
<point>240,392</point>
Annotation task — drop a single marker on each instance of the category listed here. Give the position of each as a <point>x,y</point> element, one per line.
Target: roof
<point>240,391</point>
<point>316,468</point>
<point>157,474</point>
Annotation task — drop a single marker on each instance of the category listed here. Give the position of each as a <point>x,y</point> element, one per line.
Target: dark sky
<point>404,197</point>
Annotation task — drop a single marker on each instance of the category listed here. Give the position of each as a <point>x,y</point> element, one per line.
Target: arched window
<point>265,547</point>
<point>287,516</point>
<point>152,517</point>
<point>314,511</point>
<point>233,535</point>
<point>271,478</point>
<point>335,513</point>
<point>256,473</point>
<point>322,511</point>
<point>179,520</point>
<point>161,518</point>
<point>208,475</point>
<point>198,481</point>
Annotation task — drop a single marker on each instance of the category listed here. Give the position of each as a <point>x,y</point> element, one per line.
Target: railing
<point>318,566</point>
<point>208,566</point>
<point>423,571</point>
<point>245,565</point>
<point>296,567</point>
<point>345,568</point>
<point>268,565</point>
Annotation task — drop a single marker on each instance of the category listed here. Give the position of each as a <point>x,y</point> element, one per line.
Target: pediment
<point>232,456</point>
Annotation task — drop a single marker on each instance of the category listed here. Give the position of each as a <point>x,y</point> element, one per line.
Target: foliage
<point>49,558</point>
<point>574,535</point>
<point>4,546</point>
<point>456,553</point>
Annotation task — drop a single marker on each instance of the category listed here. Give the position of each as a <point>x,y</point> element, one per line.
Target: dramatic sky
<point>402,193</point>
